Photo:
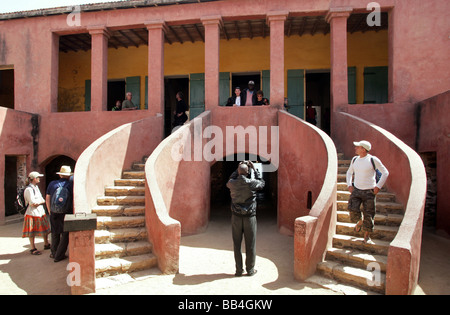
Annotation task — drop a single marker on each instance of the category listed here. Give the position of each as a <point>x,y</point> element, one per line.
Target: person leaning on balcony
<point>249,95</point>
<point>128,104</point>
<point>117,107</point>
<point>236,99</point>
<point>243,214</point>
<point>363,186</point>
<point>36,222</point>
<point>260,99</point>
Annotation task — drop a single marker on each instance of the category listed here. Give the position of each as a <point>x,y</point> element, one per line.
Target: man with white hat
<point>59,200</point>
<point>364,185</point>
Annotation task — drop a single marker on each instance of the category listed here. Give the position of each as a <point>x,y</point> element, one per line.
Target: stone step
<point>111,250</point>
<point>121,222</point>
<point>138,167</point>
<point>115,211</point>
<point>129,182</point>
<point>336,286</point>
<point>381,207</point>
<point>120,235</point>
<point>121,200</point>
<point>125,191</point>
<point>380,232</point>
<point>381,196</point>
<point>379,247</point>
<point>358,259</point>
<point>124,278</point>
<point>344,162</point>
<point>368,280</point>
<point>380,219</point>
<point>133,175</point>
<point>114,266</point>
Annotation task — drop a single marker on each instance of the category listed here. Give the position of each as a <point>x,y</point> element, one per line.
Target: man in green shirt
<point>128,104</point>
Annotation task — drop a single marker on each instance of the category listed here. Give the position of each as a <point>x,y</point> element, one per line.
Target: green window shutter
<point>265,86</point>
<point>146,92</point>
<point>224,88</point>
<point>196,94</point>
<point>296,93</point>
<point>133,85</point>
<point>375,85</point>
<point>352,85</point>
<point>87,95</point>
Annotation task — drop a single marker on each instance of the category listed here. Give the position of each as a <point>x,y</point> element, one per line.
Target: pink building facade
<point>34,131</point>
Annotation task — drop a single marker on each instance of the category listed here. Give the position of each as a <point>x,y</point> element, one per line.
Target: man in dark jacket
<point>243,220</point>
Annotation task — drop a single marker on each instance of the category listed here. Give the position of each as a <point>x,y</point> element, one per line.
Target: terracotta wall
<point>303,167</point>
<point>433,135</point>
<point>106,158</point>
<point>15,139</point>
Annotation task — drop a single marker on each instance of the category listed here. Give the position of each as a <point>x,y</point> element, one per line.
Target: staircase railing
<point>105,159</point>
<point>168,202</point>
<point>408,181</point>
<point>313,232</point>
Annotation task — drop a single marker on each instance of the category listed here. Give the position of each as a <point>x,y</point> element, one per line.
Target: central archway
<point>220,194</point>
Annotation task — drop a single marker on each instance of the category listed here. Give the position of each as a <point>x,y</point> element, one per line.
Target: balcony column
<point>337,17</point>
<point>99,68</point>
<point>212,26</point>
<point>276,21</point>
<point>156,32</point>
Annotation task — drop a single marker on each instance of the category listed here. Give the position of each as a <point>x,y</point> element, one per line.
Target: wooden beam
<point>145,41</point>
<point>200,33</point>
<point>188,34</point>
<point>237,29</point>
<point>175,34</point>
<point>128,37</point>
<point>303,26</point>
<point>316,24</point>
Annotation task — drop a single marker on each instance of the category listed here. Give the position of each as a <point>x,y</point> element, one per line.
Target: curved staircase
<point>351,266</point>
<point>121,244</point>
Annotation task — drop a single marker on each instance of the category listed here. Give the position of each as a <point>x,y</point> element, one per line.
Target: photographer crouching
<point>243,208</point>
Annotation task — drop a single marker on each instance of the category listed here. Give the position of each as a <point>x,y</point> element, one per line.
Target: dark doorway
<point>220,194</point>
<point>54,166</point>
<point>10,184</point>
<point>172,87</point>
<point>242,79</point>
<point>116,92</point>
<point>318,93</point>
<point>7,88</point>
<point>430,161</point>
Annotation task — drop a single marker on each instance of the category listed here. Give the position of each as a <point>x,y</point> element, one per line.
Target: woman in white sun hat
<point>36,222</point>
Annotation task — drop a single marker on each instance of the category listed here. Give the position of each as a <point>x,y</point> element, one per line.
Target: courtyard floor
<point>206,266</point>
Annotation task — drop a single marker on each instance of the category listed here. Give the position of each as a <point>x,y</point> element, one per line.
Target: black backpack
<point>60,199</point>
<point>20,203</point>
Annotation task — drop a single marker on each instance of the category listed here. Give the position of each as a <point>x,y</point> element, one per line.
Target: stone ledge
<point>80,222</point>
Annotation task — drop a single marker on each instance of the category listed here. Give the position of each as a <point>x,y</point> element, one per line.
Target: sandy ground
<point>206,266</point>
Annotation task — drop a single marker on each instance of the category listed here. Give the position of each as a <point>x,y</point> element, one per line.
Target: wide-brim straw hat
<point>65,171</point>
